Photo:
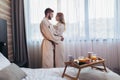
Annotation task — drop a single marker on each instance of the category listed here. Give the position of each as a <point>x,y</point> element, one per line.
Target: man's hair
<point>48,10</point>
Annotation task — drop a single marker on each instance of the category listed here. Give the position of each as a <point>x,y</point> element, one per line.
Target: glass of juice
<point>94,57</point>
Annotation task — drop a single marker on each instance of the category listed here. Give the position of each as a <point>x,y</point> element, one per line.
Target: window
<point>101,18</point>
<point>85,19</point>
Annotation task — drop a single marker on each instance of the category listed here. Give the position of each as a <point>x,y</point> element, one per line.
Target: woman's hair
<point>61,17</point>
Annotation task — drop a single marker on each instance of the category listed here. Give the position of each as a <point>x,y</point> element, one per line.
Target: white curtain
<point>34,13</point>
<point>91,25</point>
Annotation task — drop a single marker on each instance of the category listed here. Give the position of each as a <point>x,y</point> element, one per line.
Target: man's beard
<point>49,17</point>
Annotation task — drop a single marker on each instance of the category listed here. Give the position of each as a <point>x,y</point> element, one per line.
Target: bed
<point>53,73</point>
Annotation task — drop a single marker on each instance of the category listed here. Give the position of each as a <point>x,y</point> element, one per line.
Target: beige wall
<point>5,13</point>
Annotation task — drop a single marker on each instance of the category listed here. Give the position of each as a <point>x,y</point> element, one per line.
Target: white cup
<point>70,58</point>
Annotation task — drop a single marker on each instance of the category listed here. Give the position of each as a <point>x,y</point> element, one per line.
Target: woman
<point>59,48</point>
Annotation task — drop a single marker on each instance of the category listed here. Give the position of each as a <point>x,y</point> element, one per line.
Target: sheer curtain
<point>34,13</point>
<point>91,25</point>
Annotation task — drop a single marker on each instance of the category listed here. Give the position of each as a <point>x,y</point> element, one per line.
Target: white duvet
<point>56,73</point>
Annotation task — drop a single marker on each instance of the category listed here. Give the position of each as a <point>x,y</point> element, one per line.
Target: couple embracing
<point>52,45</point>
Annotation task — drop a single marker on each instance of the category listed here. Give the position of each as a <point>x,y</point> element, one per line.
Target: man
<point>49,40</point>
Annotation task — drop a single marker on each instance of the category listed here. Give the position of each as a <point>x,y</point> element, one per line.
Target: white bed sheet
<point>55,74</point>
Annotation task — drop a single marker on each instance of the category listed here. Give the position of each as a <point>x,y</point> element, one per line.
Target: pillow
<point>12,72</point>
<point>4,62</point>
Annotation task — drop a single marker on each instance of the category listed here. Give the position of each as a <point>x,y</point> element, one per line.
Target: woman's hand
<point>62,38</point>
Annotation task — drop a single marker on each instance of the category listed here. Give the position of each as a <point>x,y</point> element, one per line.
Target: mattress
<point>56,73</point>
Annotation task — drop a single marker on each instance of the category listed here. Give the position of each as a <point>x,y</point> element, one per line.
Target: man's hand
<point>62,38</point>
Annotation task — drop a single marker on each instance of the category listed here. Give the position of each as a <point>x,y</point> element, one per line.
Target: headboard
<point>3,37</point>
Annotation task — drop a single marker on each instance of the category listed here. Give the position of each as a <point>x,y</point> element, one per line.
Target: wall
<point>5,13</point>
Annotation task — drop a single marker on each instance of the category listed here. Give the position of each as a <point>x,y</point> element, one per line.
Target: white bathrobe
<point>47,47</point>
<point>59,48</point>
